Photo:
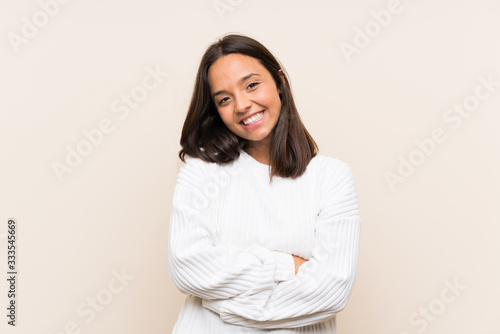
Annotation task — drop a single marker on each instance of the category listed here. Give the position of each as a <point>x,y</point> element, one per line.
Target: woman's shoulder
<point>327,165</point>
<point>195,164</point>
<point>333,174</point>
<point>200,167</point>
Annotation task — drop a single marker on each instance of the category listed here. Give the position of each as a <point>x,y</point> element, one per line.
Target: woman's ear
<point>282,77</point>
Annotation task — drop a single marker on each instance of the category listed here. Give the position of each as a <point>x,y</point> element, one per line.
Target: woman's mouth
<point>251,120</point>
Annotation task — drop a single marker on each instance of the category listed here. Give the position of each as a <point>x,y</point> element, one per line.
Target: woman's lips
<point>257,121</point>
<point>250,116</point>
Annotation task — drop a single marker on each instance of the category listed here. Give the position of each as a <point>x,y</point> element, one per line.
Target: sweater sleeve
<point>198,263</point>
<point>323,284</point>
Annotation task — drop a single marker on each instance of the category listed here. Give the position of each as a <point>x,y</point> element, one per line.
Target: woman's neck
<point>259,153</point>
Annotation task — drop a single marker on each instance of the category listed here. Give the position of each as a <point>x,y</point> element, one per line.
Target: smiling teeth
<point>253,119</point>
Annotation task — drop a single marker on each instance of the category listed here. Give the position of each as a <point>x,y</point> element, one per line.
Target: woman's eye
<point>222,101</point>
<point>253,84</point>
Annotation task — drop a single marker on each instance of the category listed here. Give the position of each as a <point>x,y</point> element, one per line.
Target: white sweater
<point>231,237</point>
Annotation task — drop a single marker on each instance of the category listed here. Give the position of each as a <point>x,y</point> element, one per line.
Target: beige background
<point>111,213</point>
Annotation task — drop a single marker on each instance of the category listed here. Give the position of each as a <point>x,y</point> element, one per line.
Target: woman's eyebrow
<point>248,76</point>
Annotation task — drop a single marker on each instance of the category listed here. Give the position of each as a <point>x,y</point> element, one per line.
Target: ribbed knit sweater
<point>231,240</point>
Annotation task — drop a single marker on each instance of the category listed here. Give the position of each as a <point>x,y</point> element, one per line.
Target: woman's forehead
<point>235,66</point>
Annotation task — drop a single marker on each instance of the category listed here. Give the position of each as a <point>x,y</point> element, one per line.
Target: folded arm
<point>323,284</point>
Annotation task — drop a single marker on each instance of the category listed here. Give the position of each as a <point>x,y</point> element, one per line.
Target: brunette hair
<point>204,135</point>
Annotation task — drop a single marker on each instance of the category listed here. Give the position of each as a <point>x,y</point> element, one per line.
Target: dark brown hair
<point>204,135</point>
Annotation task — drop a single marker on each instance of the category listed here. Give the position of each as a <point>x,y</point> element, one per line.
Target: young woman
<point>264,231</point>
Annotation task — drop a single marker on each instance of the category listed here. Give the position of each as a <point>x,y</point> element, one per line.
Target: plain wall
<point>380,92</point>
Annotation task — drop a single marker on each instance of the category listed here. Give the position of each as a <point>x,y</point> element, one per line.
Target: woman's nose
<point>242,103</point>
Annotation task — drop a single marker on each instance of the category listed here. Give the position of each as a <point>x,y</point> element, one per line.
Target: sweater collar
<point>255,165</point>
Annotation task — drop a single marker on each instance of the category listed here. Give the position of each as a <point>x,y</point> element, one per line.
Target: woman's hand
<point>298,262</point>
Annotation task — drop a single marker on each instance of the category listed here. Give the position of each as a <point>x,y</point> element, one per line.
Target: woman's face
<point>245,96</point>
